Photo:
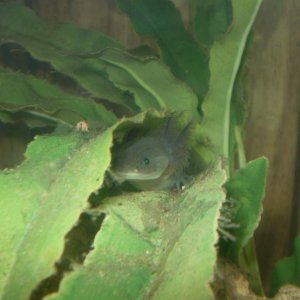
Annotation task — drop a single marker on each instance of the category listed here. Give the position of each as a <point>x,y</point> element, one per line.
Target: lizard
<point>155,161</point>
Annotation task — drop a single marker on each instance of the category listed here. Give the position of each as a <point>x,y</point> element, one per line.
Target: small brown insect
<point>82,126</point>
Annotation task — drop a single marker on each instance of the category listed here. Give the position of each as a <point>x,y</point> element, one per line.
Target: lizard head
<point>153,158</point>
<point>143,159</point>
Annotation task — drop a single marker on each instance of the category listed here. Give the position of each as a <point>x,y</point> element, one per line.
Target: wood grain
<point>272,128</point>
<point>100,15</point>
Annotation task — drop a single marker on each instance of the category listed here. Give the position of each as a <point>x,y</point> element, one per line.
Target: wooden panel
<point>272,129</point>
<point>101,15</point>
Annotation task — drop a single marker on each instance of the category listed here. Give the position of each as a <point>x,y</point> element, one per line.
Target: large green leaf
<point>160,20</point>
<point>40,202</point>
<point>210,19</point>
<point>153,245</point>
<point>55,44</point>
<point>224,63</point>
<point>21,92</point>
<point>287,270</point>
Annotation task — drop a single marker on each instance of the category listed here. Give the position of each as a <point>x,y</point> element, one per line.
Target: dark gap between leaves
<point>14,139</point>
<point>78,244</point>
<point>18,59</point>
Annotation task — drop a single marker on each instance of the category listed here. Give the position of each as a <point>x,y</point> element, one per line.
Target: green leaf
<point>224,63</point>
<point>160,20</point>
<point>126,82</point>
<point>21,92</point>
<point>287,270</point>
<point>210,19</point>
<point>153,81</point>
<point>40,202</point>
<point>55,43</point>
<point>246,189</point>
<point>153,245</point>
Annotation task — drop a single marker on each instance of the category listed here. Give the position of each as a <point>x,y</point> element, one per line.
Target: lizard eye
<point>146,161</point>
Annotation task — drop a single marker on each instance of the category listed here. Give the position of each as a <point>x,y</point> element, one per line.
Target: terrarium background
<point>273,89</point>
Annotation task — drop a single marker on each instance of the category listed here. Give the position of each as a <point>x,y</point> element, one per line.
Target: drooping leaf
<point>41,200</point>
<point>125,81</point>
<point>210,19</point>
<point>25,92</point>
<point>153,245</point>
<point>287,270</point>
<point>160,20</point>
<point>224,63</point>
<point>158,86</point>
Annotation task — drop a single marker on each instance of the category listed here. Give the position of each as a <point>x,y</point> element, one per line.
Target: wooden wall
<point>274,90</point>
<point>273,124</point>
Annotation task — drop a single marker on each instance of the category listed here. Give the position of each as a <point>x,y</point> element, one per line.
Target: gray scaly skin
<point>155,161</point>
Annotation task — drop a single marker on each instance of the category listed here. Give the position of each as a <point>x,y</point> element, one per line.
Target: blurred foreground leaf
<point>153,245</point>
<point>40,202</point>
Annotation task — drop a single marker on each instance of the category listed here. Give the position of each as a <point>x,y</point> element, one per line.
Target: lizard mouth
<point>137,175</point>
